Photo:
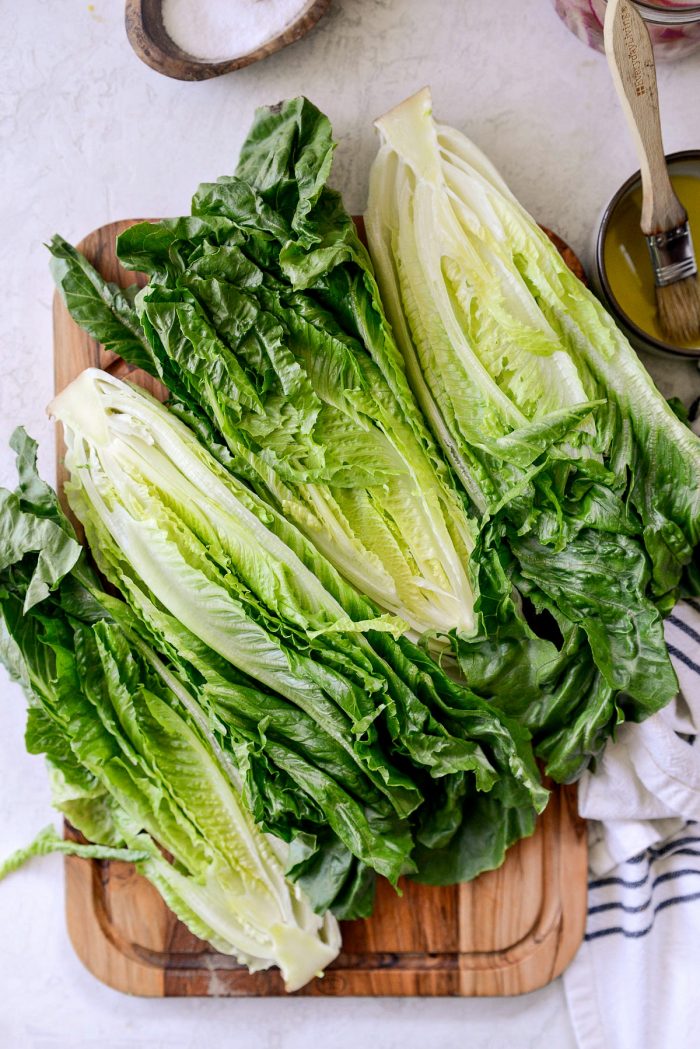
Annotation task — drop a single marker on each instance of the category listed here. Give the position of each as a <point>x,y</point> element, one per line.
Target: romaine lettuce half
<point>298,401</point>
<point>134,763</point>
<point>500,338</point>
<point>595,523</point>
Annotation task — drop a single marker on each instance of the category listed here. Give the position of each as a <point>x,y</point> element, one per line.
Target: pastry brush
<point>664,220</point>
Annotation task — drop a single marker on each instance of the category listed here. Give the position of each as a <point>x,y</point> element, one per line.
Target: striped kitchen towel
<point>635,982</point>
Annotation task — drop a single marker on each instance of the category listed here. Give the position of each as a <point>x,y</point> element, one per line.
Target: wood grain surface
<point>508,932</point>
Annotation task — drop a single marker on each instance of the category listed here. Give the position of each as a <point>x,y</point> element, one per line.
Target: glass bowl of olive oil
<point>623,272</point>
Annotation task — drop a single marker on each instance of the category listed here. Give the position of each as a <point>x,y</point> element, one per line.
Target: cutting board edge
<point>528,965</point>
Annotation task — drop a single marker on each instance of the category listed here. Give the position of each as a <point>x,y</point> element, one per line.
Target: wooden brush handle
<point>631,60</point>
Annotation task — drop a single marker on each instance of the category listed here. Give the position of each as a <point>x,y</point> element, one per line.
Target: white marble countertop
<point>88,134</point>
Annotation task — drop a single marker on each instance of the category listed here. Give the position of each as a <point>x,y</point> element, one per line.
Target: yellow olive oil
<point>626,256</point>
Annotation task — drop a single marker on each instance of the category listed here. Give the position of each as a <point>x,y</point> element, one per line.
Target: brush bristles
<point>679,310</point>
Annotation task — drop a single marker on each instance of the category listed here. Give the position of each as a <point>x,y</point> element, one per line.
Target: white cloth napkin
<point>635,982</point>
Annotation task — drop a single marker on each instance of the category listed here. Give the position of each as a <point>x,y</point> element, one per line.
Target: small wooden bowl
<point>147,36</point>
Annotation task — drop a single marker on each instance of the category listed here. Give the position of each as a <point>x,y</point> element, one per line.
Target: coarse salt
<point>220,29</point>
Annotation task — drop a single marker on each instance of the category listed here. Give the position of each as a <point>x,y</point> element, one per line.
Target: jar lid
<point>668,12</point>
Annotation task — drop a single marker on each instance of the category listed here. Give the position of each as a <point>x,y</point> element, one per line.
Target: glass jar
<point>674,25</point>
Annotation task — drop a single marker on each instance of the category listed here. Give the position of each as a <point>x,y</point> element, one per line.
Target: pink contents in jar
<point>674,25</point>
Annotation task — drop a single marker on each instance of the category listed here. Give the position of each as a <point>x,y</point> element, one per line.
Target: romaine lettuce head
<point>586,483</point>
<point>507,347</point>
<point>134,763</point>
<point>300,405</point>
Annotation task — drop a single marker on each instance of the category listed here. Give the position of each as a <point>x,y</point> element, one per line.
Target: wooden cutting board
<point>508,932</point>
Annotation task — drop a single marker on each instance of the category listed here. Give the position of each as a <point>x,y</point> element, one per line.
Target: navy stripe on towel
<point>637,908</point>
<point>650,856</point>
<point>671,846</point>
<point>636,934</point>
<point>677,654</point>
<point>684,627</point>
